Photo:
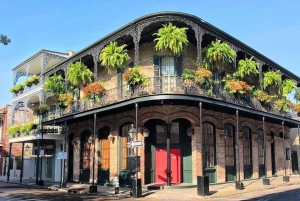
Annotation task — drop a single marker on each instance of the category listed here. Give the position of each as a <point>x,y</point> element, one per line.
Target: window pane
<point>161,134</point>
<point>167,66</point>
<point>208,145</point>
<point>229,145</point>
<point>174,133</point>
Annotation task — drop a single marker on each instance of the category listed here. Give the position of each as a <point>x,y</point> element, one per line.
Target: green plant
<point>79,74</point>
<point>41,109</point>
<point>93,91</point>
<point>188,74</point>
<point>55,85</point>
<point>17,88</point>
<point>297,94</point>
<point>65,99</point>
<point>247,67</point>
<point>27,83</point>
<point>26,128</point>
<point>34,79</point>
<point>171,39</point>
<point>235,86</point>
<point>296,109</point>
<point>203,76</point>
<point>133,76</point>
<point>114,56</point>
<point>283,105</point>
<point>271,78</point>
<point>218,55</point>
<point>263,96</point>
<point>287,87</point>
<point>13,130</point>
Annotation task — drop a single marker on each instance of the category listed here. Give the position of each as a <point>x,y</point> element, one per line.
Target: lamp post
<point>91,140</point>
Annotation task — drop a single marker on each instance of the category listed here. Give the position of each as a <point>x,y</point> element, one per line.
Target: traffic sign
<point>133,144</point>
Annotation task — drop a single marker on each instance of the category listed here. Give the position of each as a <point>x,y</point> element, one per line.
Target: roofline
<point>36,55</point>
<point>198,21</point>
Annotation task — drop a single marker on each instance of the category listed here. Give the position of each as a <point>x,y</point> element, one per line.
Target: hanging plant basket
<point>41,109</point>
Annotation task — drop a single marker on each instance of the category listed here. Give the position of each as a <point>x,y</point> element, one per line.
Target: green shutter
<point>156,78</point>
<point>178,66</point>
<point>120,83</point>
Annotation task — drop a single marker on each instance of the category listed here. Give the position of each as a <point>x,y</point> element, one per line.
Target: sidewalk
<point>217,190</point>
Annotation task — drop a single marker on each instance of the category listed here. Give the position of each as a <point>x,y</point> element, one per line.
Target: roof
<point>38,54</point>
<point>203,24</point>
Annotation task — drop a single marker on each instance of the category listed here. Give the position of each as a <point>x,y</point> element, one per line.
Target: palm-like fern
<point>218,55</point>
<point>247,67</point>
<point>288,86</point>
<point>271,78</point>
<point>171,39</point>
<point>79,74</point>
<point>54,85</point>
<point>114,56</point>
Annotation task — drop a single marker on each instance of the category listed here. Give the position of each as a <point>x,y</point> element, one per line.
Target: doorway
<point>161,167</point>
<point>273,154</point>
<point>70,157</point>
<point>295,169</point>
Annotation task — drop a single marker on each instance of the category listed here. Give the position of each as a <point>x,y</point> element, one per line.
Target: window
<point>85,150</point>
<point>260,135</point>
<point>161,133</point>
<point>125,139</point>
<point>229,145</point>
<point>208,137</point>
<point>167,66</point>
<point>246,146</point>
<point>104,149</point>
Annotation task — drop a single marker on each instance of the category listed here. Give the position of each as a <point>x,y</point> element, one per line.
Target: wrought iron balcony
<point>47,130</point>
<point>33,88</point>
<point>162,85</point>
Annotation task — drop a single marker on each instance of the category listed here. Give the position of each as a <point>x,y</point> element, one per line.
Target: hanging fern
<point>288,86</point>
<point>247,67</point>
<point>114,56</point>
<point>271,78</point>
<point>79,74</point>
<point>297,94</point>
<point>218,55</point>
<point>171,39</point>
<point>54,85</point>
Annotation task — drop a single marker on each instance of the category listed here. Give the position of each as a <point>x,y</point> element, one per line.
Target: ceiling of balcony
<point>36,66</point>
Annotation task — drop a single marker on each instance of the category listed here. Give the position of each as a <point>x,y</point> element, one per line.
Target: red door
<point>161,165</point>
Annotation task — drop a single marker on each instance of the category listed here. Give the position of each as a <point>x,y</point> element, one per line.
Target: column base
<point>203,185</point>
<point>136,186</point>
<point>41,182</point>
<point>63,185</point>
<point>239,185</point>
<point>266,181</point>
<point>286,178</point>
<point>93,189</point>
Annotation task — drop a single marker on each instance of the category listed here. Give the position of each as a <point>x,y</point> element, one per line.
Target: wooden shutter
<point>156,78</point>
<point>120,82</point>
<point>178,66</point>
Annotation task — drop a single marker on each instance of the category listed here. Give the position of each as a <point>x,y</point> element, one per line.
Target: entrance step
<point>161,186</point>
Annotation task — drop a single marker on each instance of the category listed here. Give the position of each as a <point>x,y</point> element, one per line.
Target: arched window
<point>229,145</point>
<point>260,135</point>
<point>247,146</point>
<point>104,148</point>
<point>208,145</point>
<point>85,150</point>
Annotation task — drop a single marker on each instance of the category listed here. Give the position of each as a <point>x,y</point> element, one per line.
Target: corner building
<point>229,136</point>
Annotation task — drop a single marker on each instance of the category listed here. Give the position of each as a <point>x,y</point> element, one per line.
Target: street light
<point>132,132</point>
<point>91,140</point>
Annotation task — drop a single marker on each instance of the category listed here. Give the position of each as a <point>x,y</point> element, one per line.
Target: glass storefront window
<point>161,133</point>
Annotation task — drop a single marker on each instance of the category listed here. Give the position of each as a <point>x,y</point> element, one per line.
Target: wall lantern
<point>90,140</point>
<point>111,138</point>
<point>190,132</point>
<point>145,132</point>
<point>27,148</point>
<point>132,132</point>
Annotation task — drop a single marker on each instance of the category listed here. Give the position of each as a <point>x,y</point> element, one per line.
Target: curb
<point>24,184</point>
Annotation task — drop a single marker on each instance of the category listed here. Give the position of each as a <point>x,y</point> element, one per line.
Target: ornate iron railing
<point>26,89</point>
<point>162,85</point>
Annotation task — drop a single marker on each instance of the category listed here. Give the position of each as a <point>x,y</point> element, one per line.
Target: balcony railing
<point>47,130</point>
<point>162,85</point>
<point>26,89</point>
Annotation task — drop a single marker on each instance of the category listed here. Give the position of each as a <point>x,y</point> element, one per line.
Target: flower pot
<point>298,114</point>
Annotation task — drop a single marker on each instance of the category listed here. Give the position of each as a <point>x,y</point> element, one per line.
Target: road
<point>15,192</point>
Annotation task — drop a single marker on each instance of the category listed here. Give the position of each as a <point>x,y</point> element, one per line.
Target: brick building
<point>186,132</point>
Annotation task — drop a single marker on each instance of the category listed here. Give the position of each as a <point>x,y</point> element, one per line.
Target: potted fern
<point>271,78</point>
<point>171,40</point>
<point>263,96</point>
<point>247,67</point>
<point>34,79</point>
<point>235,86</point>
<point>55,86</point>
<point>17,88</point>
<point>287,87</point>
<point>134,78</point>
<point>41,109</point>
<point>93,91</point>
<point>218,55</point>
<point>13,130</point>
<point>114,56</point>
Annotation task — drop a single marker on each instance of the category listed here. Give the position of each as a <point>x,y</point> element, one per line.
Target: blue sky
<point>270,27</point>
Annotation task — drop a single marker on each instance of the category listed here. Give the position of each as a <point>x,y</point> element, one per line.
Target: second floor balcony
<point>164,85</point>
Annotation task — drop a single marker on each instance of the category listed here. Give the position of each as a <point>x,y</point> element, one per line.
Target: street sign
<point>133,144</point>
<point>62,155</point>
